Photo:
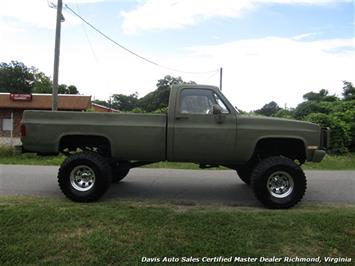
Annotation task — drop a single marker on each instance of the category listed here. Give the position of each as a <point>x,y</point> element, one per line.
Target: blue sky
<point>262,45</point>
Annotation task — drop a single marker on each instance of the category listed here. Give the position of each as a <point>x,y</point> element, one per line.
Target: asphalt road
<point>178,186</point>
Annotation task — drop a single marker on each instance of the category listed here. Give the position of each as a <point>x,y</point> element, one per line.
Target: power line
<point>133,53</point>
<point>87,38</point>
<point>211,76</point>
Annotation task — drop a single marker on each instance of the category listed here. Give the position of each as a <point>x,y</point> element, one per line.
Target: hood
<point>261,127</point>
<point>279,122</point>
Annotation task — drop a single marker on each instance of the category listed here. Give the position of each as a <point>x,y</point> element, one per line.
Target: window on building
<point>6,124</point>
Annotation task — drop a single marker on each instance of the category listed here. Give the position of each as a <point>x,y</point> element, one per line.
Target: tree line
<point>154,102</point>
<point>337,113</point>
<point>16,77</point>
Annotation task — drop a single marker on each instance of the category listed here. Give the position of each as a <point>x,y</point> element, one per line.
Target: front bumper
<point>317,155</point>
<point>325,138</point>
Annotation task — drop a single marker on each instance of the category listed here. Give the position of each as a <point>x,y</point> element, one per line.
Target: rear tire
<point>278,182</point>
<point>84,177</point>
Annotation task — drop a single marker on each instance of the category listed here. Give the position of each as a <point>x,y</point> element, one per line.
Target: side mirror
<point>216,109</point>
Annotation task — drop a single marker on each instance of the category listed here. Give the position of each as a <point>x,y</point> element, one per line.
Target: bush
<point>340,135</point>
<point>6,150</point>
<point>348,117</point>
<point>163,110</point>
<point>283,113</point>
<point>137,110</point>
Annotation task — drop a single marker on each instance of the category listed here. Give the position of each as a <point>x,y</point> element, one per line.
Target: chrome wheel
<point>280,184</point>
<point>82,178</point>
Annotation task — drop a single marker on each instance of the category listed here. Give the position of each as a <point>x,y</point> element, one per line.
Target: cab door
<point>204,127</point>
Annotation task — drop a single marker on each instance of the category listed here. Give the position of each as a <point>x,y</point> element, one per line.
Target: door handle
<point>181,117</point>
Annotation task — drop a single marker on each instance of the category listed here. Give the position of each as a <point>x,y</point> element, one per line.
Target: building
<point>101,108</point>
<point>12,107</point>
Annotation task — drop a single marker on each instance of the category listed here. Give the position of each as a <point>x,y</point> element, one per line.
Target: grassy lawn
<point>331,162</point>
<point>334,162</point>
<point>51,231</point>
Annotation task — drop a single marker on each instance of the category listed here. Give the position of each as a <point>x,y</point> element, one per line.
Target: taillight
<point>23,130</point>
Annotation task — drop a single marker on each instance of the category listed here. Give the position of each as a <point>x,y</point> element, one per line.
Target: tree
<point>42,84</point>
<point>322,95</point>
<point>72,90</point>
<point>64,89</point>
<point>125,102</point>
<point>15,77</point>
<point>159,98</point>
<point>269,109</point>
<point>103,103</point>
<point>308,107</point>
<point>348,91</point>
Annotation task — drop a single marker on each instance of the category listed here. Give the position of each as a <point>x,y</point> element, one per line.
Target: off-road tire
<point>102,176</point>
<point>263,174</point>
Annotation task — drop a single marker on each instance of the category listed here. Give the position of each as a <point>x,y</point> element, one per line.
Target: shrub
<point>340,131</point>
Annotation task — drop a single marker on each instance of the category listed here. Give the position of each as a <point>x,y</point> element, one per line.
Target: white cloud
<point>306,36</point>
<point>174,14</point>
<point>36,12</point>
<point>258,71</point>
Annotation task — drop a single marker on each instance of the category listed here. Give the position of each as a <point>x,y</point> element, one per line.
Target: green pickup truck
<point>201,126</point>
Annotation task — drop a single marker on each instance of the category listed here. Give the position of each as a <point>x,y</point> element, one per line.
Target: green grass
<point>9,156</point>
<point>333,162</point>
<point>55,231</point>
<point>330,162</point>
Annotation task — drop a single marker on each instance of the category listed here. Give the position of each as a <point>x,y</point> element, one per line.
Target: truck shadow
<point>186,189</point>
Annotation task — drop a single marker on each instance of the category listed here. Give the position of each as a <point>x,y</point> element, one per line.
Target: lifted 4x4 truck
<point>201,126</point>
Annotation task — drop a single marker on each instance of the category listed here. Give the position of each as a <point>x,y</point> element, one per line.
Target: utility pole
<point>56,56</point>
<point>220,78</point>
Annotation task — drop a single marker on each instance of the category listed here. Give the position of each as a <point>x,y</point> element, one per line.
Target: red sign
<point>21,96</point>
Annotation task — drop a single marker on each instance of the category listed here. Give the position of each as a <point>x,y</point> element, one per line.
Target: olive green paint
<point>201,138</point>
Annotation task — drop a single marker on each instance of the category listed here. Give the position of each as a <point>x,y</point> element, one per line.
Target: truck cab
<point>205,122</point>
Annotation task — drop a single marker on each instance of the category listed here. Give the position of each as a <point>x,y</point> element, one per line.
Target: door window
<point>221,104</point>
<point>199,101</point>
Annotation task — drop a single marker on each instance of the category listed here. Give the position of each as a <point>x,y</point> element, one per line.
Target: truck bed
<point>146,132</point>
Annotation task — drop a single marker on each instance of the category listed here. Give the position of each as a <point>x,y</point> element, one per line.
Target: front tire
<point>84,177</point>
<point>278,182</point>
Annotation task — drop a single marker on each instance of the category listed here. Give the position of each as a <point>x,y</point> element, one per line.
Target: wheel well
<point>290,148</point>
<point>98,144</point>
